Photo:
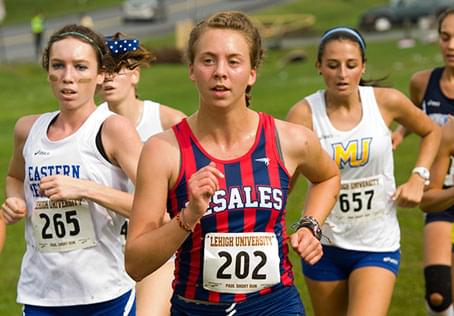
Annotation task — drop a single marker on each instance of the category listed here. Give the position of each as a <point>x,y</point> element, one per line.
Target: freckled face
<point>446,40</point>
<point>341,67</point>
<point>222,68</point>
<point>73,72</point>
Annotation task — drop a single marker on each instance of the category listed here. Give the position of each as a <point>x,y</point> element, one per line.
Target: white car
<point>148,10</point>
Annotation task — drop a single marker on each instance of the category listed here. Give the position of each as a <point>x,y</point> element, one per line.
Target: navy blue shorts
<point>336,263</point>
<point>120,306</point>
<point>442,216</point>
<point>284,301</point>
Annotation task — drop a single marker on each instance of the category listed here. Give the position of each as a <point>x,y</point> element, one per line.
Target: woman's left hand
<point>61,187</point>
<point>410,193</point>
<point>306,245</point>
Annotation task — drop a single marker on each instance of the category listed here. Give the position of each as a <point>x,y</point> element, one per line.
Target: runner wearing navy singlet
<point>433,90</point>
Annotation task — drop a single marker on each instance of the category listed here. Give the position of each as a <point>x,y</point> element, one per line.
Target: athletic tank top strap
<point>272,142</point>
<point>435,103</point>
<point>433,86</point>
<point>250,199</point>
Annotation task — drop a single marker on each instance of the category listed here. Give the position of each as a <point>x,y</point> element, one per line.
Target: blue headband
<point>121,46</point>
<point>350,31</point>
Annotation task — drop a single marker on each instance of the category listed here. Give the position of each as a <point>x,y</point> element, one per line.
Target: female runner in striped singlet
<point>119,91</point>
<point>224,182</point>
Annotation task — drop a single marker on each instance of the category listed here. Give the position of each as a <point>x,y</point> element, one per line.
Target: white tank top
<point>150,122</point>
<point>364,217</point>
<point>73,248</point>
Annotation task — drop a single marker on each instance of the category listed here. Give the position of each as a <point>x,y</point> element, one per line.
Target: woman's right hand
<point>396,139</point>
<point>13,209</point>
<point>201,187</point>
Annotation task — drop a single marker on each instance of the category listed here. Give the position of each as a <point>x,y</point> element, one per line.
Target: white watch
<point>424,173</point>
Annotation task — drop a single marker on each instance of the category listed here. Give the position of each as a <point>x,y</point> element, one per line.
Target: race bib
<point>62,225</point>
<point>360,198</point>
<point>240,262</point>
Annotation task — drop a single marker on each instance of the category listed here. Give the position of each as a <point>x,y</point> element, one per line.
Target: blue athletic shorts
<point>284,301</point>
<point>123,305</point>
<point>442,216</point>
<point>336,263</point>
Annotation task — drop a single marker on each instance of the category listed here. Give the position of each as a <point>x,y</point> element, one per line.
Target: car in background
<point>144,10</point>
<point>400,12</point>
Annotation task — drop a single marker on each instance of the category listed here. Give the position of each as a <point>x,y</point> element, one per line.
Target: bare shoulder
<point>23,126</point>
<point>170,116</point>
<point>389,97</point>
<point>161,153</point>
<point>301,113</point>
<point>300,146</point>
<point>118,125</point>
<point>418,85</point>
<point>295,139</point>
<point>165,139</point>
<point>420,79</point>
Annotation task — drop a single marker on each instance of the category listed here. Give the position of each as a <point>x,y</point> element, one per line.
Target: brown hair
<point>231,20</point>
<point>140,57</point>
<point>353,35</point>
<point>443,15</point>
<point>84,34</point>
<point>342,33</point>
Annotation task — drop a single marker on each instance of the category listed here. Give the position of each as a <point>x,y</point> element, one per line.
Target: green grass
<point>24,90</point>
<point>22,10</point>
<point>328,13</point>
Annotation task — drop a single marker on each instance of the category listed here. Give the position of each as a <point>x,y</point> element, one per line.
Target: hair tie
<point>85,37</point>
<point>348,30</point>
<point>120,46</point>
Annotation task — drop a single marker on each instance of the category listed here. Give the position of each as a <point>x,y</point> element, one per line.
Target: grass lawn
<point>22,10</point>
<point>24,91</point>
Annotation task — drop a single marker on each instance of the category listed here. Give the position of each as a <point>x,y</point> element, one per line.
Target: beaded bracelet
<point>182,223</point>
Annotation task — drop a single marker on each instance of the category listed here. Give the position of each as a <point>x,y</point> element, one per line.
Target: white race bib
<point>240,262</point>
<point>62,225</point>
<point>360,198</point>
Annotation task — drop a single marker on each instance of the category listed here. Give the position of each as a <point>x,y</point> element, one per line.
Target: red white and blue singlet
<point>239,250</point>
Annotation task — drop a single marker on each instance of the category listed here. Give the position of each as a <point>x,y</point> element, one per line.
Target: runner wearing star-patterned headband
<point>119,91</point>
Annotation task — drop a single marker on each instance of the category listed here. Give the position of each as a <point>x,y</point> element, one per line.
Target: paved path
<point>16,40</point>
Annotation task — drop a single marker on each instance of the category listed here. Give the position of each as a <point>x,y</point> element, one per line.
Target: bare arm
<point>122,145</point>
<point>304,154</point>
<point>61,187</point>
<point>435,197</point>
<point>396,106</point>
<point>417,88</point>
<point>150,243</point>
<point>2,233</point>
<point>300,113</point>
<point>14,207</point>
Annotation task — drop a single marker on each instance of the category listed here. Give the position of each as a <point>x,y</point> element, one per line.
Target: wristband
<point>311,223</point>
<point>182,223</point>
<point>424,173</point>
